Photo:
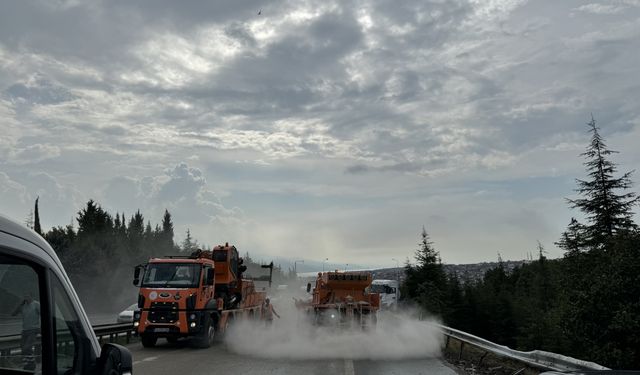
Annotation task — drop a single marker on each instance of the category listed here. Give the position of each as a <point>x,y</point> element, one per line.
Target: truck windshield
<point>383,289</point>
<point>172,275</point>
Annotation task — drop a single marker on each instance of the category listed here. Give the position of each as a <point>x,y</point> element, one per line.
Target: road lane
<point>181,359</point>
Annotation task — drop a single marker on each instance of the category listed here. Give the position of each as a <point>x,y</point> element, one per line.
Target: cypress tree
<point>36,220</point>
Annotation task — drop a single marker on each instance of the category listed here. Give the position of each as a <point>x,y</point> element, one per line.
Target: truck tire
<point>148,340</point>
<point>205,338</point>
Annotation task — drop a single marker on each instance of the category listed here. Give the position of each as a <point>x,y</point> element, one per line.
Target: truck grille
<point>163,312</point>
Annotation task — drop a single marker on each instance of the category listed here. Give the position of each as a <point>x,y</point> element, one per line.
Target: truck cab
<point>43,326</point>
<point>193,296</point>
<point>388,291</point>
<point>176,299</point>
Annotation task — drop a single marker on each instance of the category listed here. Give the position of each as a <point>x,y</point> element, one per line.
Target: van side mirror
<point>115,359</point>
<point>308,287</point>
<point>136,275</point>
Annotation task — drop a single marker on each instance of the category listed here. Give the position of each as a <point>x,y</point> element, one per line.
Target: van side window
<point>20,318</point>
<point>73,347</point>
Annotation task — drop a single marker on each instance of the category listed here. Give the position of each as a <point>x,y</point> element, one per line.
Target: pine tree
<point>426,282</point>
<point>36,220</point>
<point>166,233</point>
<point>136,227</point>
<point>426,256</point>
<point>93,219</point>
<point>608,208</point>
<point>116,222</point>
<point>148,233</point>
<point>189,244</point>
<point>167,225</point>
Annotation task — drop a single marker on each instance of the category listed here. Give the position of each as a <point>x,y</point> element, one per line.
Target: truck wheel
<point>148,341</point>
<point>206,337</point>
<point>370,321</point>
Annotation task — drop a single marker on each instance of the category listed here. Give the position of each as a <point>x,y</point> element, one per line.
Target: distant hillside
<point>476,271</point>
<point>465,272</point>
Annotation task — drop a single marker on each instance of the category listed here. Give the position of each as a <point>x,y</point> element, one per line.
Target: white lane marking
<point>348,367</point>
<point>145,360</point>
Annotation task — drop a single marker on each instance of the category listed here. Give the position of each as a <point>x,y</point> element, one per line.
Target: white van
<point>43,327</point>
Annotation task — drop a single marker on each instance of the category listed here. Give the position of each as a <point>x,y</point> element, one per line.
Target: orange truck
<point>342,299</point>
<point>195,296</point>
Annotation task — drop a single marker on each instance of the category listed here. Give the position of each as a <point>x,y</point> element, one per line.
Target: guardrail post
<point>482,357</point>
<point>461,349</point>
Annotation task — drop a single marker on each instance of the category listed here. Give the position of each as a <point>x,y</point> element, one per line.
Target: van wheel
<point>148,341</point>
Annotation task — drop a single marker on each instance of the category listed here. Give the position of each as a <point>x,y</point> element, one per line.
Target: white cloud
<point>182,190</point>
<point>58,203</point>
<point>596,8</point>
<point>311,106</point>
<point>34,153</point>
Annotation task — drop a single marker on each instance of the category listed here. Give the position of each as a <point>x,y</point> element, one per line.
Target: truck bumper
<point>188,323</point>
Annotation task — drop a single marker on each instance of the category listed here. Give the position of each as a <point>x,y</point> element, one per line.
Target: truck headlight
<point>135,324</point>
<point>192,325</point>
<point>192,316</point>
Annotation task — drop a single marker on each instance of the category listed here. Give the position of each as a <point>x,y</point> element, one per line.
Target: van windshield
<point>172,275</point>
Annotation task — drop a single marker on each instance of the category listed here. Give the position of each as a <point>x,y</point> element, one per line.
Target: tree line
<point>99,254</point>
<point>585,304</point>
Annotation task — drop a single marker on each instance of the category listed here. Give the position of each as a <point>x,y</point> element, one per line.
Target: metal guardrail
<point>538,359</point>
<point>10,343</point>
<point>113,331</point>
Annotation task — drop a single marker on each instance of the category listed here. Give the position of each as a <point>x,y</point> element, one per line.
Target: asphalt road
<point>181,359</point>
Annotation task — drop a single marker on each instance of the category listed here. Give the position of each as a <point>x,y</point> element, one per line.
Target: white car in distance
<point>126,315</point>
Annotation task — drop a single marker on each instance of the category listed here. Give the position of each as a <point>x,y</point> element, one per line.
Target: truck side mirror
<point>210,276</point>
<point>115,359</point>
<point>136,275</point>
<point>308,287</point>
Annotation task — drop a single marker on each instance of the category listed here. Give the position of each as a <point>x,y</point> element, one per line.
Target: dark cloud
<point>357,169</point>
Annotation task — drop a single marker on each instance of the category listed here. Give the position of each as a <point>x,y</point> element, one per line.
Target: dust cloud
<point>396,336</point>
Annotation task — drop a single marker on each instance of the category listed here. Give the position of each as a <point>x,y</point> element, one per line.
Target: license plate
<point>161,330</point>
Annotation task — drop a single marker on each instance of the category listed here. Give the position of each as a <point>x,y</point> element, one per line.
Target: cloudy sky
<point>317,129</point>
